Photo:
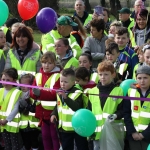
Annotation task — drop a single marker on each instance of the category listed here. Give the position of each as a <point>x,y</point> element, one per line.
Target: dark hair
<point>11,72</point>
<point>88,55</point>
<point>105,9</point>
<point>122,30</point>
<point>68,72</point>
<point>27,76</point>
<point>82,73</point>
<point>143,13</point>
<point>23,31</point>
<point>65,42</point>
<point>48,56</point>
<point>99,24</point>
<point>111,46</point>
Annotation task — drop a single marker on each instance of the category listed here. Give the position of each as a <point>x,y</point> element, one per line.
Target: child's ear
<point>114,75</point>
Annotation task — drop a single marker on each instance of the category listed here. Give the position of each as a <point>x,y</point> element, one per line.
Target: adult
<point>81,13</point>
<point>64,28</point>
<point>24,55</point>
<point>142,28</point>
<point>96,43</point>
<point>124,17</point>
<point>138,5</point>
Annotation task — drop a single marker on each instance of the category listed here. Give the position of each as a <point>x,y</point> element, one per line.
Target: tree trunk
<point>88,6</point>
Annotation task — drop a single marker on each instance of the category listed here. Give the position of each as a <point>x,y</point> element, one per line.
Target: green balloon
<point>84,122</point>
<point>125,85</point>
<point>148,148</point>
<point>4,12</point>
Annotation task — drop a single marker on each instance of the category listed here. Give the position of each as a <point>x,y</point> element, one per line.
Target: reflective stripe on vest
<point>94,77</point>
<point>5,29</point>
<point>140,115</point>
<point>65,113</point>
<point>7,104</point>
<point>49,105</point>
<point>122,68</point>
<point>109,107</point>
<point>73,62</point>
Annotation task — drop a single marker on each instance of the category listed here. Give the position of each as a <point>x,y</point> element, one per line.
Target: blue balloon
<point>46,19</point>
<point>125,85</point>
<point>148,148</point>
<point>84,122</point>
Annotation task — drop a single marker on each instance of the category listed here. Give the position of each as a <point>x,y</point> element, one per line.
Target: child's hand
<point>63,94</point>
<point>4,122</point>
<point>36,92</point>
<point>53,118</point>
<point>136,136</point>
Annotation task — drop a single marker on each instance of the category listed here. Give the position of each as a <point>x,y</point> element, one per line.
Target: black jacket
<point>128,119</point>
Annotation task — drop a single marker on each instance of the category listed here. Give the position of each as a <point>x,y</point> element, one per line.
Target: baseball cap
<point>65,20</point>
<point>143,70</point>
<point>124,10</point>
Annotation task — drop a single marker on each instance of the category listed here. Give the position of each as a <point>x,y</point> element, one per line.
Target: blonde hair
<point>116,24</point>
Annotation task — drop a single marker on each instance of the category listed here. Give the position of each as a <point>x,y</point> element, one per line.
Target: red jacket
<point>42,113</point>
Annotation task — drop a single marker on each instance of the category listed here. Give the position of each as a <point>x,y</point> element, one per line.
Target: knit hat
<point>143,70</point>
<point>65,20</point>
<point>11,21</point>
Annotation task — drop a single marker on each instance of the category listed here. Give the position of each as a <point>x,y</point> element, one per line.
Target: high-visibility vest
<point>65,113</point>
<point>134,70</point>
<point>29,66</point>
<point>122,68</point>
<point>28,119</point>
<point>48,105</point>
<point>6,106</point>
<point>73,62</point>
<point>140,114</point>
<point>2,54</point>
<point>109,108</point>
<point>88,19</point>
<point>54,35</point>
<point>5,29</point>
<point>94,77</point>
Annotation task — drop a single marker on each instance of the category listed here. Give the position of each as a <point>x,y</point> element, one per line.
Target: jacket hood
<point>69,54</point>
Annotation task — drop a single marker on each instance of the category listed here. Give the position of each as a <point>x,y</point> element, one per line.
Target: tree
<point>88,6</point>
<point>12,4</point>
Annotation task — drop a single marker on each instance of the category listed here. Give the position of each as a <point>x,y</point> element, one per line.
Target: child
<point>112,55</point>
<point>9,105</point>
<point>2,55</point>
<point>136,112</point>
<point>64,54</point>
<point>127,55</point>
<point>28,123</point>
<point>83,79</point>
<point>67,104</point>
<point>48,78</point>
<point>146,55</point>
<point>85,60</point>
<point>102,105</point>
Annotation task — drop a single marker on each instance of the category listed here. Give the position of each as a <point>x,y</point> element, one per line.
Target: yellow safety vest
<point>110,107</point>
<point>140,114</point>
<point>6,106</point>
<point>48,105</point>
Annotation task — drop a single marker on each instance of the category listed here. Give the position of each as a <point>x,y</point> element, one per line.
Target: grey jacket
<point>97,49</point>
<point>30,53</point>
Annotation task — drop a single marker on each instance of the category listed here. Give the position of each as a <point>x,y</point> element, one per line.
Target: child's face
<point>2,38</point>
<point>121,40</point>
<point>81,81</point>
<point>25,81</point>
<point>84,62</point>
<point>143,80</point>
<point>60,48</point>
<point>48,66</point>
<point>66,82</point>
<point>147,57</point>
<point>141,57</point>
<point>112,57</point>
<point>106,77</point>
<point>7,79</point>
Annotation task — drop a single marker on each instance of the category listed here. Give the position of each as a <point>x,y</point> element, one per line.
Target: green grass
<point>37,36</point>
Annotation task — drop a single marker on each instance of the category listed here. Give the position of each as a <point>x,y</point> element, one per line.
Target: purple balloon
<point>46,19</point>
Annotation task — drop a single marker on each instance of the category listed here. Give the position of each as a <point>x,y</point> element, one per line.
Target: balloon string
<point>22,21</point>
<point>57,90</point>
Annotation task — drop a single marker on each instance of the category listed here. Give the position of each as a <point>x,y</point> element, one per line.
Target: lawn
<point>37,36</point>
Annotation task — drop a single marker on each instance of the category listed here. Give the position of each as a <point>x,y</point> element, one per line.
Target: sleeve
<point>146,133</point>
<point>86,46</point>
<point>74,104</point>
<point>38,64</point>
<point>55,112</point>
<point>119,111</point>
<point>97,56</point>
<point>13,113</point>
<point>134,60</point>
<point>2,63</point>
<point>8,62</point>
<point>127,117</point>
